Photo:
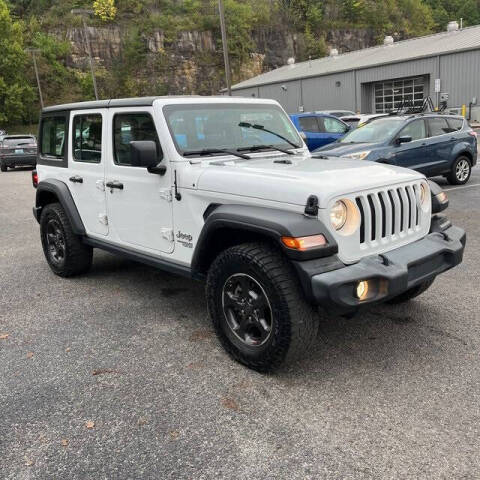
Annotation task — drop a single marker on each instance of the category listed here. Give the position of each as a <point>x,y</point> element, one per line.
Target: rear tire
<point>410,294</point>
<point>461,171</point>
<point>65,253</point>
<point>3,167</point>
<point>257,307</point>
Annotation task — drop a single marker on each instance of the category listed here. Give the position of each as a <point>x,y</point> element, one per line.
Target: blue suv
<point>433,144</point>
<point>319,129</point>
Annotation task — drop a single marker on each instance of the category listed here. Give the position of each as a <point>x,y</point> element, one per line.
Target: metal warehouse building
<point>379,78</point>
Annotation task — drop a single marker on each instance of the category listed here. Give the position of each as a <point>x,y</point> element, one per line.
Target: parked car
<point>18,150</point>
<point>337,113</point>
<point>358,120</point>
<point>433,144</point>
<point>184,184</point>
<point>319,129</point>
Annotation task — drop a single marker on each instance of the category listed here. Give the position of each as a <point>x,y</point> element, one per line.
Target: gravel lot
<point>391,393</point>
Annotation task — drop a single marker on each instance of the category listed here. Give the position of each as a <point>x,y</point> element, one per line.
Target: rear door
<point>86,167</point>
<point>440,144</point>
<point>139,203</point>
<point>412,154</point>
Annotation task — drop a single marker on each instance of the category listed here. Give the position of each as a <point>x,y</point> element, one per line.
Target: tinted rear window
<point>455,123</point>
<point>18,140</point>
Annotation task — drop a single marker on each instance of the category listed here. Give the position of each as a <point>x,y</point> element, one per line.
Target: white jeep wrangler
<point>225,190</point>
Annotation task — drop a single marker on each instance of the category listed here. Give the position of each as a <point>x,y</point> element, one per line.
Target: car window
<point>130,127</point>
<point>53,136</point>
<point>455,124</point>
<point>309,124</point>
<point>438,126</point>
<point>415,129</point>
<point>87,138</point>
<point>331,125</point>
<point>16,141</point>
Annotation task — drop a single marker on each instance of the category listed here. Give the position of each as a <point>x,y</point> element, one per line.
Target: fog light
<point>362,290</point>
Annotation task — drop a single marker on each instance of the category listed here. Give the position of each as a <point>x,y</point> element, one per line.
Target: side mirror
<point>404,139</point>
<point>144,154</point>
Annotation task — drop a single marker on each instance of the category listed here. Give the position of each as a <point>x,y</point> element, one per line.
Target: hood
<point>293,182</point>
<point>338,149</point>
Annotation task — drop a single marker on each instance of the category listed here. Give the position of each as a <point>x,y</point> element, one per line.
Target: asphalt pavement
<point>118,375</point>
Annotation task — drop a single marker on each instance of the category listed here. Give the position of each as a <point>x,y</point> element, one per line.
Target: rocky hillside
<point>146,47</point>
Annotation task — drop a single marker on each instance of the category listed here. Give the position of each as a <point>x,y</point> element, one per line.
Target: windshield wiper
<point>211,151</point>
<point>262,127</point>
<point>254,148</point>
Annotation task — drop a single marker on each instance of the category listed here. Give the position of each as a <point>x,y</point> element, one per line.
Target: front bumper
<point>388,274</point>
<point>19,160</point>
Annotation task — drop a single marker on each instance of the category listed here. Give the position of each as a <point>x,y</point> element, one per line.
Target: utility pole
<point>226,58</point>
<point>34,52</point>
<point>84,13</point>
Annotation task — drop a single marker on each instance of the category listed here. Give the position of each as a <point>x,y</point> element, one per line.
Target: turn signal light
<point>305,243</point>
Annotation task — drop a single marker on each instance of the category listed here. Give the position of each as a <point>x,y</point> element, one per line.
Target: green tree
<point>16,96</point>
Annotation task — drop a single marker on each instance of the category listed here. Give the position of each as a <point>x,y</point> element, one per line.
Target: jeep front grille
<point>388,213</point>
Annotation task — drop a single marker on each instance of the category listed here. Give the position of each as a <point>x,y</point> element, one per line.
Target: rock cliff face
<point>193,62</point>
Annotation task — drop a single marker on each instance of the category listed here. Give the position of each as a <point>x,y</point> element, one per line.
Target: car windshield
<point>13,141</point>
<point>376,131</point>
<point>202,128</point>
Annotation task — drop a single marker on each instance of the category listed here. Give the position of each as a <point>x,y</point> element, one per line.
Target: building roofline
<point>239,86</point>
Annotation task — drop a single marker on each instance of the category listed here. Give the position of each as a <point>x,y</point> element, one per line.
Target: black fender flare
<point>58,189</point>
<point>267,222</point>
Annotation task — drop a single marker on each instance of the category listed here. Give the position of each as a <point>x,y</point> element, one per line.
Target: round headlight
<point>338,215</point>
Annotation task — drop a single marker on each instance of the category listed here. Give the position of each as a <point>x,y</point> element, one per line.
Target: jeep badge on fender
<point>274,232</point>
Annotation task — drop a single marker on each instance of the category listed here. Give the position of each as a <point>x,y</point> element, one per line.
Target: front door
<point>86,168</point>
<point>315,138</point>
<point>138,202</point>
<point>412,154</point>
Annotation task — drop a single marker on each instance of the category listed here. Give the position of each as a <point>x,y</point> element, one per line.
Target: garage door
<point>395,93</point>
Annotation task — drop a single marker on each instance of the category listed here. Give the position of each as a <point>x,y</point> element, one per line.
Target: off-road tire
<point>294,322</point>
<point>456,175</point>
<point>3,167</point>
<point>410,294</point>
<point>77,256</point>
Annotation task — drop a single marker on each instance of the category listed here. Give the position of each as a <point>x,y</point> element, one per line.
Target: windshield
<point>376,131</point>
<point>229,127</point>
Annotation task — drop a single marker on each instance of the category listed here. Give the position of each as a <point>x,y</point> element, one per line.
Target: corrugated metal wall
<point>288,94</point>
<point>459,73</point>
<point>322,93</point>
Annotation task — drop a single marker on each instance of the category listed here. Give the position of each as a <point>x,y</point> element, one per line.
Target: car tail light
<point>34,179</point>
<point>473,133</point>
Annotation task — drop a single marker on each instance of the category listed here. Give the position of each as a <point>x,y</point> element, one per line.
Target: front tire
<point>3,167</point>
<point>412,293</point>
<point>461,171</point>
<point>257,307</point>
<point>65,253</point>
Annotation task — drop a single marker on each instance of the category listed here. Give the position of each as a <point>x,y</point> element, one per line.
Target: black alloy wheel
<point>247,309</point>
<point>55,242</point>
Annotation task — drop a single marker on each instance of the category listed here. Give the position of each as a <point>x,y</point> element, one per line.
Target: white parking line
<point>462,187</point>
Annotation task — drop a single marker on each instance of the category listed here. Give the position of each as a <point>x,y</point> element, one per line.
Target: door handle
<point>114,184</point>
<point>76,179</point>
